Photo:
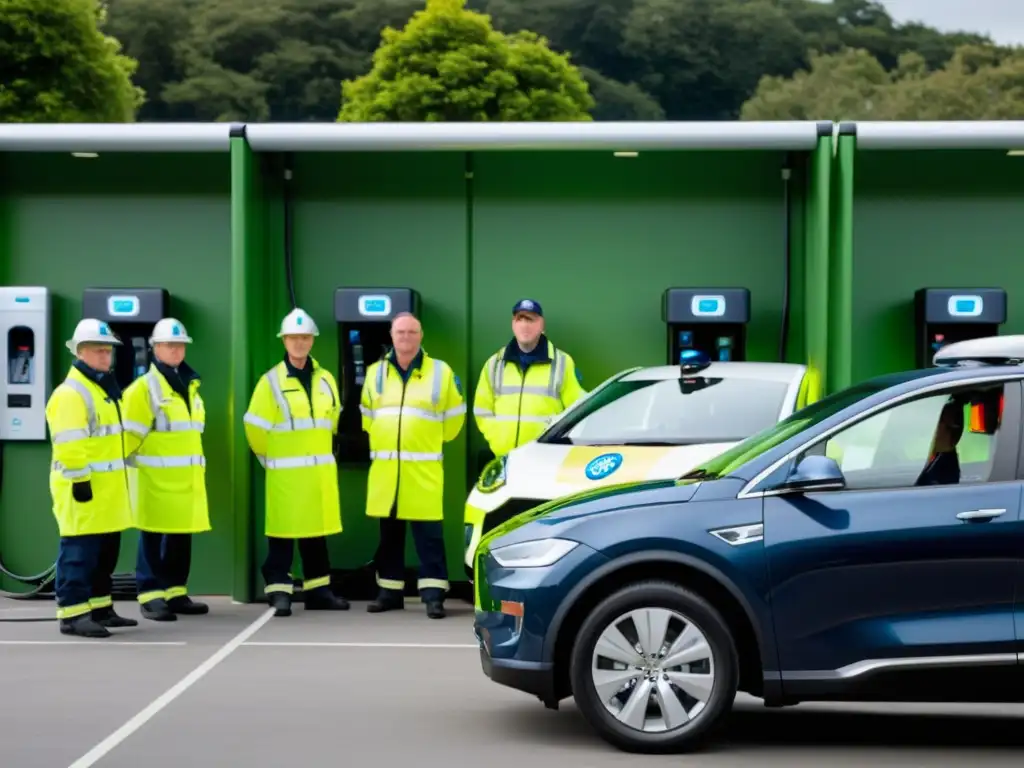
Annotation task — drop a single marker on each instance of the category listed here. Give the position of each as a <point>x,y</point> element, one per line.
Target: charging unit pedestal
<point>364,318</point>
<point>708,320</point>
<point>131,314</point>
<point>25,340</point>
<point>946,315</point>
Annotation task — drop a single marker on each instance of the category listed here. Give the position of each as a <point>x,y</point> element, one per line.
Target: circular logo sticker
<point>603,466</point>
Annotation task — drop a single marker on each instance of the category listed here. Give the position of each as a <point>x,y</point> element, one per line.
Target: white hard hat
<point>170,329</point>
<point>297,322</point>
<point>91,330</point>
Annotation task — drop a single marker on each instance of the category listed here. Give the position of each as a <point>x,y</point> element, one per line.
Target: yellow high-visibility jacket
<point>510,409</point>
<point>408,423</point>
<point>169,467</point>
<point>88,444</point>
<point>292,438</point>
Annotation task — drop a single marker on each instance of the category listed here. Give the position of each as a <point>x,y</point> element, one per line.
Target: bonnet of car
<point>609,498</point>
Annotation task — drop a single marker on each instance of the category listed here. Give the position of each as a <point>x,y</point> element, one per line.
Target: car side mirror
<point>814,473</point>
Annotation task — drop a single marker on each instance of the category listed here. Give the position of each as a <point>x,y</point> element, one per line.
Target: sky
<point>1002,20</point>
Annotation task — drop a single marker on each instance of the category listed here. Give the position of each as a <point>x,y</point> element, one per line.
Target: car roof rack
<point>990,350</point>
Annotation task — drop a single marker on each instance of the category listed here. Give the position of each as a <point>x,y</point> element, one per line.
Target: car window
<point>681,411</point>
<point>927,441</point>
<point>806,418</point>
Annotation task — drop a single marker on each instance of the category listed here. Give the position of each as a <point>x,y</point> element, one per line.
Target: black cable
<point>787,172</point>
<point>287,199</point>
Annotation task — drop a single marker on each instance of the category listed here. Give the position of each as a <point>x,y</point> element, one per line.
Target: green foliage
<point>642,59</point>
<point>449,64</point>
<point>978,83</point>
<point>58,67</point>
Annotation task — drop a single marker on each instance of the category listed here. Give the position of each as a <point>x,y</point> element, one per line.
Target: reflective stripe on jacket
<point>168,471</point>
<point>88,444</point>
<point>511,409</point>
<point>293,440</point>
<point>408,423</point>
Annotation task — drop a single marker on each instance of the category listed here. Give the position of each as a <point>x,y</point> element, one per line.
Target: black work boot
<point>387,601</point>
<point>322,599</point>
<point>107,617</point>
<point>186,606</point>
<point>435,609</point>
<point>157,610</point>
<point>281,602</point>
<point>83,626</point>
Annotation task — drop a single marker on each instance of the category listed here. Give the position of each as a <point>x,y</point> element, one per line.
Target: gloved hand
<point>335,444</point>
<point>82,491</point>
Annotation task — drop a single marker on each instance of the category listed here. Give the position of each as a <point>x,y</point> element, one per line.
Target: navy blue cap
<point>528,305</point>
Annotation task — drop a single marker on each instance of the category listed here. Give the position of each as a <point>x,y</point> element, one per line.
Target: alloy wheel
<point>653,670</point>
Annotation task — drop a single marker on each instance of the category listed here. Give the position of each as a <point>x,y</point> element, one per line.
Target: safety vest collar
<point>421,362</point>
<point>184,382</point>
<point>556,379</point>
<point>417,362</point>
<point>544,352</point>
<point>185,372</point>
<point>104,381</point>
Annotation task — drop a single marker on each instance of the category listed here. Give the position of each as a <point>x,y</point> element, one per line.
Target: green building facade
<point>831,228</point>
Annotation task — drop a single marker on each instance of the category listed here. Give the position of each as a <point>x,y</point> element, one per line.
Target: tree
<point>59,67</point>
<point>978,83</point>
<point>450,64</point>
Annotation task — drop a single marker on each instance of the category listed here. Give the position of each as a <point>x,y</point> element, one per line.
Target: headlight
<point>533,554</point>
<point>493,476</point>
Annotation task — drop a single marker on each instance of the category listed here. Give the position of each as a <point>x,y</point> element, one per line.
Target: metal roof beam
<point>611,136</point>
<point>115,137</point>
<point>952,134</point>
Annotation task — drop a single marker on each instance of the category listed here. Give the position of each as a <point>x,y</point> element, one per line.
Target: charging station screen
<point>123,306</point>
<point>374,306</point>
<point>965,306</point>
<point>707,306</point>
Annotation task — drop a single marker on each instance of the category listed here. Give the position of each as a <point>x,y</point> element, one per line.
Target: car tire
<point>703,626</point>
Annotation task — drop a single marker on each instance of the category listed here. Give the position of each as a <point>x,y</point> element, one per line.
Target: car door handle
<point>981,514</point>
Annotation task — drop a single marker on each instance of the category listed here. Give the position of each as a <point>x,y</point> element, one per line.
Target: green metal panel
<point>816,277</point>
<point>247,295</point>
<point>929,219</point>
<point>122,220</point>
<point>396,219</point>
<point>597,239</point>
<point>840,323</point>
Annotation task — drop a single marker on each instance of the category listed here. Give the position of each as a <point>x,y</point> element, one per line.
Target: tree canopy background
<point>57,66</point>
<point>642,59</point>
<point>449,64</point>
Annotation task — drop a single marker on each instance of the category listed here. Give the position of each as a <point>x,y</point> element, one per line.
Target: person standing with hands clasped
<point>164,410</point>
<point>411,406</point>
<point>89,483</point>
<point>290,425</point>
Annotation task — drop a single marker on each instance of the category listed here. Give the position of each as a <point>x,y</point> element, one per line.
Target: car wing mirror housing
<point>814,473</point>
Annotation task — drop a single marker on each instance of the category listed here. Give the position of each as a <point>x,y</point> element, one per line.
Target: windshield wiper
<point>700,474</point>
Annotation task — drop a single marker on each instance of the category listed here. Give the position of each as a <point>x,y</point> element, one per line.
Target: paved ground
<point>321,690</point>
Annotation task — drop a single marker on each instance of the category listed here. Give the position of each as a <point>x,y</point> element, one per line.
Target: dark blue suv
<point>868,548</point>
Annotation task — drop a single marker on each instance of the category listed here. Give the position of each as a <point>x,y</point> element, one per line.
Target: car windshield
<point>730,460</point>
<point>682,411</point>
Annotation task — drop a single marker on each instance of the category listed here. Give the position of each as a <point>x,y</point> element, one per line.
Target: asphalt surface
<point>397,689</point>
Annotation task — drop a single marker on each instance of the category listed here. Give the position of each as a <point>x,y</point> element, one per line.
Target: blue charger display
<point>708,322</point>
<point>946,315</point>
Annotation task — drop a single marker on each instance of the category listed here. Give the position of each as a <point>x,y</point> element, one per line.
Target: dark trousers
<point>85,570</point>
<point>390,558</point>
<point>162,565</point>
<point>316,564</point>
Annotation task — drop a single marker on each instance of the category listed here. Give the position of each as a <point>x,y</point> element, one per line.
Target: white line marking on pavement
<point>98,752</point>
<point>87,643</point>
<point>357,645</point>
